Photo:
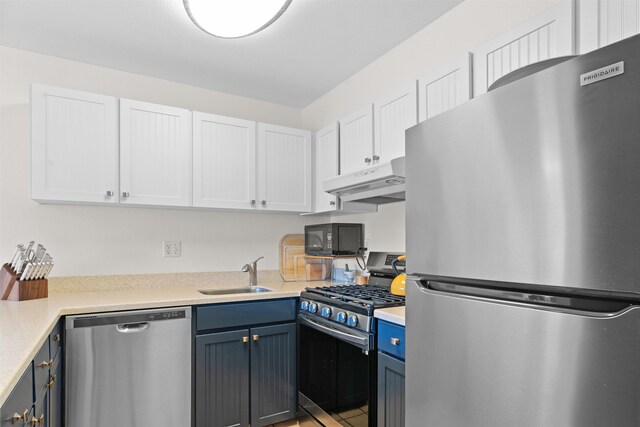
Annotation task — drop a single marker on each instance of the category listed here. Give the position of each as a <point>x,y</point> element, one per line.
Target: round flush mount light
<point>234,18</point>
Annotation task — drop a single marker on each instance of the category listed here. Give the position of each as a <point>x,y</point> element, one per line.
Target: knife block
<point>14,289</point>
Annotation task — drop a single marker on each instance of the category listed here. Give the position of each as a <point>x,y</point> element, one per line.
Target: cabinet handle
<point>52,381</point>
<point>332,203</point>
<point>245,339</point>
<point>56,337</point>
<point>367,160</point>
<point>256,337</point>
<point>376,157</point>
<point>37,421</point>
<point>263,203</point>
<point>46,364</point>
<point>253,202</point>
<point>125,194</point>
<point>109,193</point>
<point>395,341</point>
<point>17,417</point>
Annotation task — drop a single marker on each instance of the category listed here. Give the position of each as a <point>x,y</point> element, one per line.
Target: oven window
<point>336,376</point>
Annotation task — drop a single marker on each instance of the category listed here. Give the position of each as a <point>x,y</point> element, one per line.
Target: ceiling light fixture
<point>234,18</point>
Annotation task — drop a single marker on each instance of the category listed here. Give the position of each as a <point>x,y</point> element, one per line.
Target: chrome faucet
<point>252,269</point>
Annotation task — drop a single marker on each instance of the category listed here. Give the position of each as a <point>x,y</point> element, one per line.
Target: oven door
<point>337,378</point>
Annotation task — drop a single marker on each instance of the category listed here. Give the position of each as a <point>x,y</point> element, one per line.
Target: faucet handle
<point>256,261</point>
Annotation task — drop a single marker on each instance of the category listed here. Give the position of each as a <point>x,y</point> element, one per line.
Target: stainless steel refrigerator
<point>523,244</point>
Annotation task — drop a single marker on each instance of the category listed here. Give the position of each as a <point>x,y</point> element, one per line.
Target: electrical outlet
<point>366,244</point>
<point>171,248</point>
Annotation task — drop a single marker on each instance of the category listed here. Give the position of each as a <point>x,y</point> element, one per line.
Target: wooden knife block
<point>14,289</point>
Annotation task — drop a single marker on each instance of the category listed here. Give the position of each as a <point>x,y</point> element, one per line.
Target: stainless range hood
<point>379,184</point>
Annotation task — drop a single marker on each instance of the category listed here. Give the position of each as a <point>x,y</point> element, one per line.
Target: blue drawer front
<point>388,334</point>
<point>220,316</point>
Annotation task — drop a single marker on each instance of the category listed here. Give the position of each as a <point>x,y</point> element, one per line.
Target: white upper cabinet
<point>284,168</point>
<point>391,117</point>
<point>445,89</point>
<point>326,152</point>
<point>224,162</point>
<point>602,22</point>
<point>155,154</point>
<point>74,146</point>
<point>356,141</point>
<point>548,35</point>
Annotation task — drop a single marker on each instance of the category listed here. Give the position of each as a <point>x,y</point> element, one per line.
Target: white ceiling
<point>313,47</point>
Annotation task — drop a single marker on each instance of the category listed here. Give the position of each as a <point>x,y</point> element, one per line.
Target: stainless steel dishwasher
<point>129,369</point>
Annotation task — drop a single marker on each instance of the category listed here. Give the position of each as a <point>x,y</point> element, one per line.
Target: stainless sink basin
<point>251,290</point>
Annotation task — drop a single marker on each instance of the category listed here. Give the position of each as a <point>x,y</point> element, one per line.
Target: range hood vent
<point>379,184</point>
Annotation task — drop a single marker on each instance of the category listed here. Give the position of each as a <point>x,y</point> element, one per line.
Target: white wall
<point>462,29</point>
<point>96,240</point>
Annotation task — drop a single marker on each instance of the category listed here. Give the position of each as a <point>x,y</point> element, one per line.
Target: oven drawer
<point>391,339</point>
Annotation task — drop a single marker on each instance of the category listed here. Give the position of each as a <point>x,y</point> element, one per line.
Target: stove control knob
<point>352,321</point>
<point>304,305</point>
<point>313,307</point>
<point>326,312</point>
<point>341,317</point>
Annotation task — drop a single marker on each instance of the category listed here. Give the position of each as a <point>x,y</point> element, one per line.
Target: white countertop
<point>25,325</point>
<point>394,315</point>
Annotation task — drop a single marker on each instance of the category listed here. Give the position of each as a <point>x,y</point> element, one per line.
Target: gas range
<point>353,306</point>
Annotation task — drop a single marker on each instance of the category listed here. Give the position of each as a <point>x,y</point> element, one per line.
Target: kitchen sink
<point>251,290</point>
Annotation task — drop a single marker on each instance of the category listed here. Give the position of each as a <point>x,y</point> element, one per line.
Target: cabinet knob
<point>332,203</point>
<point>125,194</point>
<point>256,337</point>
<point>109,193</point>
<point>17,417</point>
<point>245,339</point>
<point>367,160</point>
<point>253,202</point>
<point>395,341</point>
<point>46,364</point>
<point>376,157</point>
<point>56,337</point>
<point>263,203</point>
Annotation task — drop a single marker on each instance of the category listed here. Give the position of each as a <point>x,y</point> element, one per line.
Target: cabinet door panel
<point>224,162</point>
<point>284,168</point>
<point>74,146</point>
<point>155,154</point>
<point>222,379</point>
<point>391,394</point>
<point>19,401</point>
<point>444,89</point>
<point>326,166</point>
<point>545,36</point>
<point>356,141</point>
<point>392,116</point>
<point>602,22</point>
<point>273,374</point>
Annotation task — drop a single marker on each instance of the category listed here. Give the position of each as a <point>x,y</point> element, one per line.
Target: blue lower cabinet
<point>391,378</point>
<point>246,375</point>
<point>17,409</point>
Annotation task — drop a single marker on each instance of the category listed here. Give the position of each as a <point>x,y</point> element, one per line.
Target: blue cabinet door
<point>273,374</point>
<point>19,403</point>
<point>222,379</point>
<point>390,391</point>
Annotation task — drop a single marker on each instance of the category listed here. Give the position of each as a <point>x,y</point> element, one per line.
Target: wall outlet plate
<point>171,248</point>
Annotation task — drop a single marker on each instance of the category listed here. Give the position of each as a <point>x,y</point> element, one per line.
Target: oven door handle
<point>362,342</point>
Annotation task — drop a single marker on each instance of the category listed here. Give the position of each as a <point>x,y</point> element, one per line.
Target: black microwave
<point>333,239</point>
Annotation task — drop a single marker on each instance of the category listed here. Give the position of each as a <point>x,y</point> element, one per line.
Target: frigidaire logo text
<point>602,73</point>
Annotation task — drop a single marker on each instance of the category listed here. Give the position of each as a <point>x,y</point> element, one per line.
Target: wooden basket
<point>14,289</point>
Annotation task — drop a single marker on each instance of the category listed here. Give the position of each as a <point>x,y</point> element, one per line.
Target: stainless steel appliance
<point>129,369</point>
<point>524,219</point>
<point>337,338</point>
<point>333,239</point>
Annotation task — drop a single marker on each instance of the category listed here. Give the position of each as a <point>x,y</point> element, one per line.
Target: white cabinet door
<point>445,89</point>
<point>224,162</point>
<point>284,168</point>
<point>391,117</point>
<point>74,146</point>
<point>155,154</point>
<point>548,35</point>
<point>356,141</point>
<point>326,154</point>
<point>602,22</point>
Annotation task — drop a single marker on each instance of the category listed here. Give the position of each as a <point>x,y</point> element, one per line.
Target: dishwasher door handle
<point>129,328</point>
